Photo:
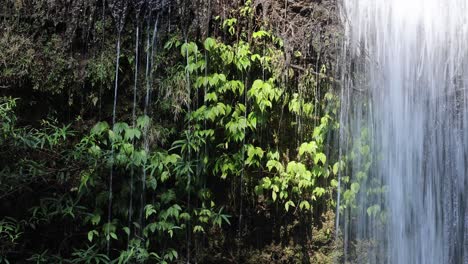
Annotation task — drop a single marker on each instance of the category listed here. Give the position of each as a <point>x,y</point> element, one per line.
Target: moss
<point>275,253</point>
<point>45,66</point>
<point>327,248</point>
<point>100,70</point>
<point>54,69</point>
<point>16,57</point>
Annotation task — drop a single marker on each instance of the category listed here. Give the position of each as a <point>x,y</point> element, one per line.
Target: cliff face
<point>251,82</point>
<point>77,30</point>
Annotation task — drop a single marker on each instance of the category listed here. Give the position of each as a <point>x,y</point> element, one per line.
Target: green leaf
<point>226,219</point>
<point>175,254</point>
<point>198,229</point>
<point>132,133</point>
<point>274,164</point>
<point>99,128</point>
<point>355,187</point>
<point>91,235</point>
<point>143,122</point>
<point>289,204</point>
<point>320,157</point>
<point>113,235</point>
<point>184,216</point>
<point>309,148</point>
<point>120,127</point>
<point>283,195</point>
<point>211,97</point>
<point>373,210</point>
<point>184,50</point>
<point>260,34</point>
<point>95,219</point>
<point>149,210</point>
<point>304,205</point>
<point>319,191</point>
<point>258,190</point>
<point>336,167</point>
<point>255,57</point>
<point>334,183</point>
<point>209,44</point>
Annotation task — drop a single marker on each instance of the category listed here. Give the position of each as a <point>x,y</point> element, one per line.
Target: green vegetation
<point>229,158</point>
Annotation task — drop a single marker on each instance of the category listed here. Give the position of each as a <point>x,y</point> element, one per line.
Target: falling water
<point>119,10</point>
<point>150,43</point>
<point>111,176</point>
<point>189,174</point>
<point>103,19</point>
<point>138,5</point>
<point>148,86</point>
<point>405,131</point>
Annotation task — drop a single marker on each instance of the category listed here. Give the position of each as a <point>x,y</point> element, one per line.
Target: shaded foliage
<point>229,152</point>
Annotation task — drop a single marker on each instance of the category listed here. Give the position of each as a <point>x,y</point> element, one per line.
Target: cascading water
<point>189,174</point>
<point>138,6</point>
<point>150,43</point>
<point>405,131</point>
<point>119,11</point>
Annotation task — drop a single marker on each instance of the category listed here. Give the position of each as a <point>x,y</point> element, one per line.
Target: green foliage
<point>236,120</point>
<point>264,94</point>
<point>89,255</point>
<point>59,75</point>
<point>361,159</point>
<point>16,56</point>
<point>234,110</point>
<point>10,234</point>
<point>300,182</point>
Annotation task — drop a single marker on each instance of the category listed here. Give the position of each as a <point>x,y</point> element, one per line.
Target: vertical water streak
<point>119,11</point>
<point>138,5</point>
<point>148,73</point>
<point>205,92</point>
<point>143,177</point>
<point>114,109</point>
<point>135,86</point>
<point>102,55</point>
<point>189,180</point>
<point>405,126</point>
<point>241,180</point>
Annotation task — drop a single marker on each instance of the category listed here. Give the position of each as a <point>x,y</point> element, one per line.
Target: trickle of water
<point>189,180</point>
<point>119,11</point>
<point>148,83</point>
<point>150,43</point>
<point>405,131</point>
<point>114,109</point>
<point>135,86</point>
<point>103,19</point>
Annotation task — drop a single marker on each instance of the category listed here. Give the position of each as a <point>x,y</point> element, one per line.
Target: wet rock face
<point>119,10</point>
<point>68,15</point>
<point>68,32</point>
<point>311,27</point>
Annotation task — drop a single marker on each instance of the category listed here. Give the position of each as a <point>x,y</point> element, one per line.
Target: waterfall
<point>119,10</point>
<point>150,43</point>
<point>114,109</point>
<point>405,131</point>
<point>189,174</point>
<point>135,90</point>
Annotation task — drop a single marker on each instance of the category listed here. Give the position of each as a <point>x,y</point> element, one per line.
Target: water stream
<point>405,131</point>
<point>119,11</point>
<point>151,42</point>
<point>134,108</point>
